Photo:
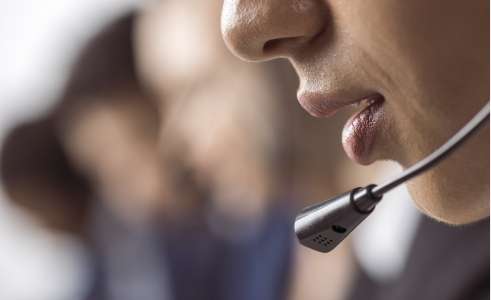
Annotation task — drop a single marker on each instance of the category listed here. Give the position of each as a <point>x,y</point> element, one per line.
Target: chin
<point>453,217</point>
<point>449,203</point>
<point>456,191</point>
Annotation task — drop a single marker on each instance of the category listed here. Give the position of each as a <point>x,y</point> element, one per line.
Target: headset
<point>323,226</point>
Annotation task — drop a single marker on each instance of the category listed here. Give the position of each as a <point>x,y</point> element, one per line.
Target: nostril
<point>284,45</point>
<point>261,30</point>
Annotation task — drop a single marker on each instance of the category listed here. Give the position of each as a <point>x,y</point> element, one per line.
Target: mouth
<point>360,131</point>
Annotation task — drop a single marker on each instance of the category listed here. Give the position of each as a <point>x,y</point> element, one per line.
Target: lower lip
<point>359,133</point>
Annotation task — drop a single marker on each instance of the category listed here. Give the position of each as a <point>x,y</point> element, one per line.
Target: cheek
<point>417,52</point>
<point>424,47</point>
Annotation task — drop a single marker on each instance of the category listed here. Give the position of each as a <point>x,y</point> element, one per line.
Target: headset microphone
<point>325,225</point>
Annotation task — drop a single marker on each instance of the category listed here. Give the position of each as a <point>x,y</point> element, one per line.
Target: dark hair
<point>106,69</point>
<point>106,63</point>
<point>32,161</point>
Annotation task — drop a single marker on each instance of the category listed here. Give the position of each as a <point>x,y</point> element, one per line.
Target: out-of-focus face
<point>227,139</point>
<point>111,143</point>
<point>417,69</point>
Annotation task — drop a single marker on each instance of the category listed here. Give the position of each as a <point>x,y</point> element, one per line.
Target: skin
<point>428,59</point>
<point>135,195</point>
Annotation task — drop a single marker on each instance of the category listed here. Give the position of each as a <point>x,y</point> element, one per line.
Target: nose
<point>266,29</point>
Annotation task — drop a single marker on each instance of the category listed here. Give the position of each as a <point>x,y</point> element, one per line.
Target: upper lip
<point>324,105</point>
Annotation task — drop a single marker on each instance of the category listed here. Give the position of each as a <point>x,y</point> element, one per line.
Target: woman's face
<point>418,70</point>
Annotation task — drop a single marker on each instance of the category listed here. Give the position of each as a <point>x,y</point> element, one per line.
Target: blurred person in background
<point>230,147</point>
<point>250,152</point>
<point>259,171</point>
<point>104,129</point>
<point>91,168</point>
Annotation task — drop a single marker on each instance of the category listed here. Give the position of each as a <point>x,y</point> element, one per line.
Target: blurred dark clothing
<point>445,263</point>
<point>129,260</point>
<point>259,268</point>
<point>207,267</point>
<point>188,261</point>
